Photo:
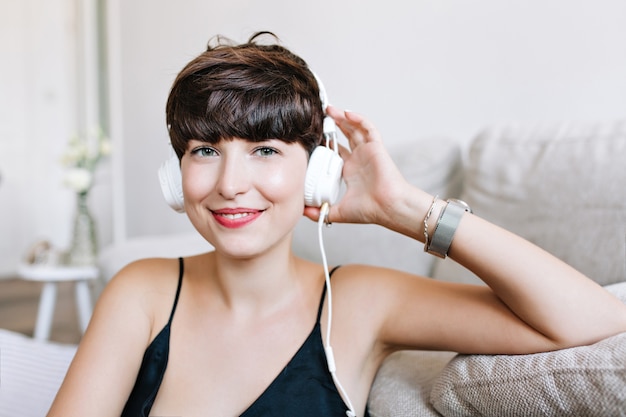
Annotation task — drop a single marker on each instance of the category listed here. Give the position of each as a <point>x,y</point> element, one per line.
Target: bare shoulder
<point>384,280</point>
<point>388,288</point>
<point>142,278</point>
<point>370,278</point>
<point>149,270</point>
<point>405,310</point>
<point>378,288</point>
<point>128,312</point>
<point>147,284</point>
<point>136,301</point>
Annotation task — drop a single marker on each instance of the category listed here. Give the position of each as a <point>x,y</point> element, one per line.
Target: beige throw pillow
<point>581,381</point>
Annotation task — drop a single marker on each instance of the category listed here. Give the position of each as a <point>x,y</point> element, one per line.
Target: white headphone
<point>323,176</point>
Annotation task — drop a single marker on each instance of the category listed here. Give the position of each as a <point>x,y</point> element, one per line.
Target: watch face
<point>461,203</point>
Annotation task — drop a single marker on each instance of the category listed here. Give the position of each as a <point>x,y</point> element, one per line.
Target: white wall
<point>417,69</point>
<point>35,118</point>
<point>420,68</point>
<point>38,113</point>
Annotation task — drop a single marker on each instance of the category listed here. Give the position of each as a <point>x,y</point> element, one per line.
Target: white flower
<point>76,153</point>
<point>78,179</point>
<point>82,157</point>
<point>105,147</point>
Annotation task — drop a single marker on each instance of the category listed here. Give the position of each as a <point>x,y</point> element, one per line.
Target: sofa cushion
<point>560,186</point>
<point>31,373</point>
<point>403,383</point>
<point>581,381</point>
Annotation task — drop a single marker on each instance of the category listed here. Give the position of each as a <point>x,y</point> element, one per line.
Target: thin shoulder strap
<point>181,270</point>
<point>319,309</point>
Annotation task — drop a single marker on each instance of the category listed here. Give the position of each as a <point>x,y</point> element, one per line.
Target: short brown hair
<point>251,91</point>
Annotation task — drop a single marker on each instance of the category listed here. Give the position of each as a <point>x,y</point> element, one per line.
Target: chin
<point>247,248</point>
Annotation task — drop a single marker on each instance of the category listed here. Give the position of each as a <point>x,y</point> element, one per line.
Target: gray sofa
<point>562,186</point>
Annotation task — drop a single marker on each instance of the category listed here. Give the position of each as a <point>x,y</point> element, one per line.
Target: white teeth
<point>235,216</point>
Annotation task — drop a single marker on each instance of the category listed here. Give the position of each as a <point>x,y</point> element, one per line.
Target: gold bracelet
<point>428,214</point>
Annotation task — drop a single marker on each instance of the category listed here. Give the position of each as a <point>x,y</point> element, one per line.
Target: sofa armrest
<point>31,373</point>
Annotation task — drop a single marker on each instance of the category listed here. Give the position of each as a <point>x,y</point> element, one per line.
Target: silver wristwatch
<point>448,221</point>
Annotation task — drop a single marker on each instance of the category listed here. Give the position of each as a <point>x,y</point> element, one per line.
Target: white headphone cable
<point>330,357</point>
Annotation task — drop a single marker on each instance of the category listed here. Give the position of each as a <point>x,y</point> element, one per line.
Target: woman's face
<point>244,197</point>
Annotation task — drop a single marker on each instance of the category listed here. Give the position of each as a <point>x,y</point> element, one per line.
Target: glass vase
<point>84,245</point>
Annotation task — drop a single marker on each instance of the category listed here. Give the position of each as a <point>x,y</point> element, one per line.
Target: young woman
<point>242,330</point>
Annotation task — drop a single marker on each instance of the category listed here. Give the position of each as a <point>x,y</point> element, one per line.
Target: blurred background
<point>417,69</point>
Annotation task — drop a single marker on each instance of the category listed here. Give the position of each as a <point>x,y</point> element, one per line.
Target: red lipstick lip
<point>233,218</point>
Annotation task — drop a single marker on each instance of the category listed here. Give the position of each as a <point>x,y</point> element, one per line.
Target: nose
<point>233,177</point>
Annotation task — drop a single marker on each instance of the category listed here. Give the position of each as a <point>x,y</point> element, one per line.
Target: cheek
<point>197,181</point>
<point>286,182</point>
<point>288,175</point>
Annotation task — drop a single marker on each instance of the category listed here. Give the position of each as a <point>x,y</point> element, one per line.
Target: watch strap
<point>446,226</point>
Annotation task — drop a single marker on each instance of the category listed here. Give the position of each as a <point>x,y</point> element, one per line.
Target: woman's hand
<point>373,182</point>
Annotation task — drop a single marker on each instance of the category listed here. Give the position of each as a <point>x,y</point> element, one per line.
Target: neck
<point>260,283</point>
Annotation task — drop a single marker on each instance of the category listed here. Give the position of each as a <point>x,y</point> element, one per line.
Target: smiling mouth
<point>234,216</point>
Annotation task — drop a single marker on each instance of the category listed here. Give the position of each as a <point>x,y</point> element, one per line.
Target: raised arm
<point>533,302</point>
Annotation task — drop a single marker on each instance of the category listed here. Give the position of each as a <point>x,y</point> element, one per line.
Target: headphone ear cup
<point>323,177</point>
<point>171,181</point>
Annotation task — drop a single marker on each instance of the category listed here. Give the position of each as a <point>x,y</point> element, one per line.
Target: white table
<point>51,275</point>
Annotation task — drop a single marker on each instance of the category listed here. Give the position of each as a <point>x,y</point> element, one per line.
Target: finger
<point>354,126</point>
<point>312,213</point>
<point>349,129</point>
<point>364,126</point>
<point>335,113</point>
